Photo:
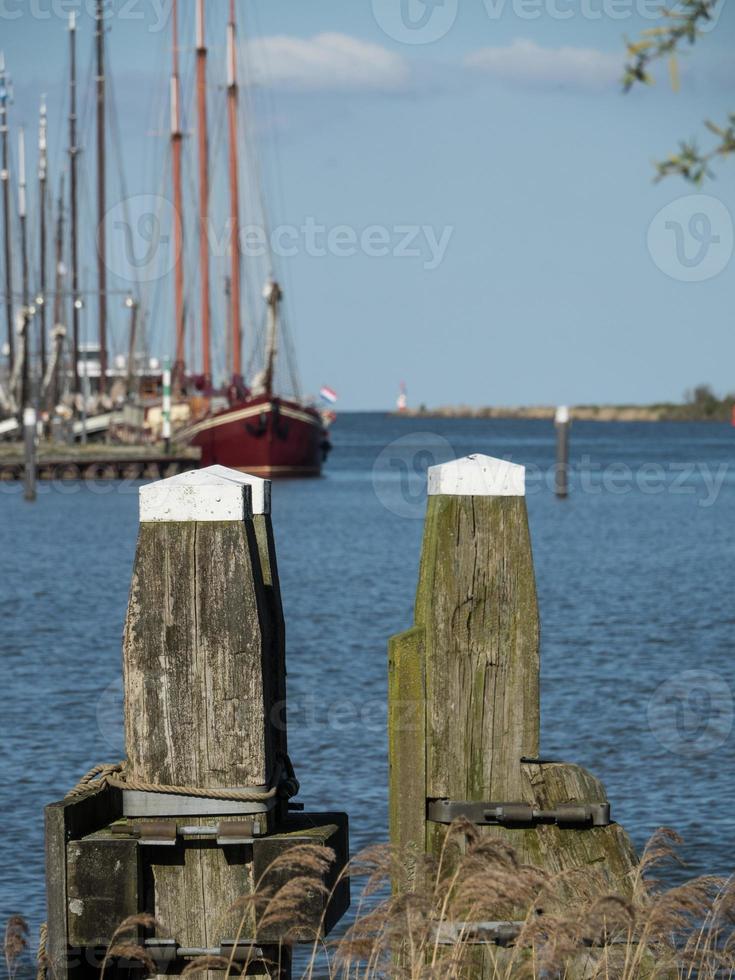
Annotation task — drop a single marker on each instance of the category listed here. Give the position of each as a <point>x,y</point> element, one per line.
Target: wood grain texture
<point>407,748</point>
<point>103,875</point>
<point>476,600</point>
<point>198,682</point>
<point>70,820</point>
<point>201,678</point>
<point>474,652</point>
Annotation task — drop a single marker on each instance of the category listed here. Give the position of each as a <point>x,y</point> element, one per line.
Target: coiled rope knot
<point>117,775</point>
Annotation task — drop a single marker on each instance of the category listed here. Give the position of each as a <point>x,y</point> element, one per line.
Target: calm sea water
<point>636,580</point>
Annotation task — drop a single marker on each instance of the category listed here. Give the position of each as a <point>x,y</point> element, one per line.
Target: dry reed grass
<point>568,926</point>
<point>15,944</point>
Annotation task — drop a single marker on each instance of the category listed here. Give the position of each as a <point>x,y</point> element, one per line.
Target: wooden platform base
<point>98,462</point>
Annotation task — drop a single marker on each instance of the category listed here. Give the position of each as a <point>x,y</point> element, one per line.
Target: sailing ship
<point>258,429</point>
<point>55,373</point>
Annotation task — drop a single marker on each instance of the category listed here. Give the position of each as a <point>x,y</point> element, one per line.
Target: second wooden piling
<point>464,694</point>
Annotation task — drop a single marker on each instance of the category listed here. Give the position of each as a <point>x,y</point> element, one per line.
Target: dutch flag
<point>328,394</point>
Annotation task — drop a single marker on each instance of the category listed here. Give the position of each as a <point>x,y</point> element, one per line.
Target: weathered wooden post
<point>188,828</point>
<point>29,441</point>
<point>464,691</point>
<point>561,477</point>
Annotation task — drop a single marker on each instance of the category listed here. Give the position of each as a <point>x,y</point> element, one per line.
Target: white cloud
<point>528,64</point>
<point>326,62</point>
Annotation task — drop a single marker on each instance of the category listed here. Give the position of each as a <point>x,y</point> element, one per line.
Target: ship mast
<point>176,154</point>
<point>203,191</point>
<point>23,216</point>
<point>73,153</point>
<point>59,264</point>
<point>101,196</point>
<point>52,386</point>
<point>272,295</point>
<point>232,106</point>
<point>42,179</point>
<point>5,177</point>
<point>24,318</point>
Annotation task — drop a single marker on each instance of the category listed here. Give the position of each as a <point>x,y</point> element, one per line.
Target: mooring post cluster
<point>202,807</point>
<point>464,698</point>
<point>187,829</point>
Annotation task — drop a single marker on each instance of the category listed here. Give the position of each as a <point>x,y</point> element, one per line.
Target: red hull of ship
<point>267,437</point>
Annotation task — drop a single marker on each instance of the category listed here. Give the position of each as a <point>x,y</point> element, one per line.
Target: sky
<point>459,194</point>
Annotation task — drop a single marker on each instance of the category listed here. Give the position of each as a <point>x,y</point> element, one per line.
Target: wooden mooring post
<point>187,831</point>
<point>464,700</point>
<point>29,451</point>
<point>562,423</point>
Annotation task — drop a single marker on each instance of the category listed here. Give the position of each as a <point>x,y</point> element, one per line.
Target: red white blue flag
<point>328,394</point>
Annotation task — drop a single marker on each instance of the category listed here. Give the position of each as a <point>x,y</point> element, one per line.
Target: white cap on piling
<point>200,495</point>
<point>260,489</point>
<point>478,476</point>
<point>562,415</point>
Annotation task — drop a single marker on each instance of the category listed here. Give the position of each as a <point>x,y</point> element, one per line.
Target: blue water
<point>635,572</point>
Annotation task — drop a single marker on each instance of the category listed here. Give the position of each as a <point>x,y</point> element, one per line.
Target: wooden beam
<point>200,682</point>
<point>471,663</point>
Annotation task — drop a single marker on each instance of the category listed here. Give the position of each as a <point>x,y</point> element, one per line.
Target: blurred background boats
<point>231,405</point>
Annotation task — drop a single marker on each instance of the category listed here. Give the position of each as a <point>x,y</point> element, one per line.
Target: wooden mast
<point>59,263</point>
<point>73,153</point>
<point>176,156</point>
<point>272,295</point>
<point>232,106</point>
<point>5,177</point>
<point>53,385</point>
<point>101,197</point>
<point>23,216</point>
<point>42,181</point>
<point>25,317</point>
<point>203,190</point>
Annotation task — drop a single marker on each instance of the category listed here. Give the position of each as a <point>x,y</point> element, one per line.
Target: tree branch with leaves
<point>681,27</point>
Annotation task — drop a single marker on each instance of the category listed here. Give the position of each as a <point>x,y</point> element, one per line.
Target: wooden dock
<point>97,462</point>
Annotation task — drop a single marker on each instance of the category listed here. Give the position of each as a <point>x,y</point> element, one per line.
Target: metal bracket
<point>166,951</point>
<point>578,816</point>
<point>166,832</point>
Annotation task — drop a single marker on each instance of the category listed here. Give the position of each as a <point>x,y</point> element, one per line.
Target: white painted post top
<point>260,489</point>
<point>562,415</point>
<point>478,476</point>
<point>200,495</point>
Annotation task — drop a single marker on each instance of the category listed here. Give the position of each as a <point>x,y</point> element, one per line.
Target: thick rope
<point>103,776</point>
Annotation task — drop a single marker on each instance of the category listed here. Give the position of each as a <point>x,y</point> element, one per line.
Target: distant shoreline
<point>720,411</point>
